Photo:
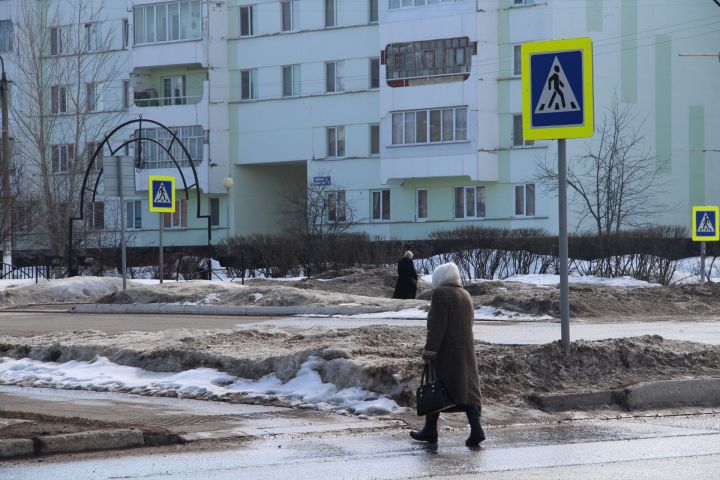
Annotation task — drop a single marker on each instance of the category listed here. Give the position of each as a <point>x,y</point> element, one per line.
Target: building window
<point>6,36</point>
<point>374,73</point>
<point>177,219</point>
<point>248,84</point>
<point>126,94</point>
<point>289,14</point>
<point>525,200</point>
<point>215,212</point>
<point>394,4</point>
<point>381,204</point>
<point>523,2</point>
<point>517,60</point>
<point>91,91</point>
<point>470,202</point>
<point>440,125</point>
<point>153,156</point>
<point>374,140</point>
<point>63,157</point>
<point>247,21</point>
<point>421,203</point>
<point>56,41</point>
<point>167,22</point>
<point>125,32</point>
<point>335,142</point>
<point>422,62</point>
<point>90,148</point>
<point>93,41</point>
<point>174,90</point>
<point>291,80</point>
<point>372,11</point>
<point>58,99</point>
<point>133,214</point>
<point>336,206</point>
<point>22,218</point>
<point>330,13</point>
<point>518,140</point>
<point>98,216</point>
<point>334,77</point>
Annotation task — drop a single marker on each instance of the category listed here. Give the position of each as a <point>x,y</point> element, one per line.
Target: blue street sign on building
<point>321,181</point>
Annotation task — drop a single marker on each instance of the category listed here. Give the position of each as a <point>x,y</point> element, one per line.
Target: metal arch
<point>138,140</point>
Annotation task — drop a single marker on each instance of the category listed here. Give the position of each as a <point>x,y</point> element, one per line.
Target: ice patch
<point>103,375</point>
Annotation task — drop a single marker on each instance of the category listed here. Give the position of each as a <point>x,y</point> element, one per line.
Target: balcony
<point>178,110</point>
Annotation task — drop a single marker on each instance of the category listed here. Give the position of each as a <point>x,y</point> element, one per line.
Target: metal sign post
<point>705,228</point>
<point>123,244</point>
<point>162,200</point>
<point>161,269</point>
<point>557,87</point>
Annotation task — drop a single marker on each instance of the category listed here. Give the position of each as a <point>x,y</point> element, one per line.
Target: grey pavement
<point>657,447</point>
<point>28,323</point>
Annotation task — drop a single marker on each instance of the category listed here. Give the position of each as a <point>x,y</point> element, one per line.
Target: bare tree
<point>614,178</point>
<point>65,61</point>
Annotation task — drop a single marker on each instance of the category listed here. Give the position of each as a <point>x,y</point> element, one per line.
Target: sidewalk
<point>162,420</point>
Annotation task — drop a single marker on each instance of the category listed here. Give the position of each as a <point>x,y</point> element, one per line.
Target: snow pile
<point>74,289</point>
<point>482,313</point>
<point>306,389</point>
<point>548,279</point>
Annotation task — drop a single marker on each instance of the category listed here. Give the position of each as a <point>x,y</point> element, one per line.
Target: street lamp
<point>6,232</point>
<point>228,184</point>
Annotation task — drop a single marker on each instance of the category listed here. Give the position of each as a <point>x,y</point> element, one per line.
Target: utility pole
<point>6,230</point>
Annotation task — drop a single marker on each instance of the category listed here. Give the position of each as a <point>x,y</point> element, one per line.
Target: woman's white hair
<point>408,254</point>
<point>446,273</point>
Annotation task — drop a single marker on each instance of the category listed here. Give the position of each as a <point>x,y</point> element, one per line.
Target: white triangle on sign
<point>706,225</point>
<point>161,196</point>
<point>557,95</point>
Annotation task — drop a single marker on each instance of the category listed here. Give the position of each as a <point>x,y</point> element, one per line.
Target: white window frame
<point>59,99</point>
<point>248,82</point>
<point>93,39</point>
<point>373,7</point>
<point>174,81</point>
<point>337,206</point>
<point>126,94</point>
<point>293,86</point>
<point>97,217</point>
<point>334,76</point>
<point>383,196</point>
<point>397,4</point>
<point>6,35</point>
<point>374,127</point>
<point>56,40</point>
<point>371,63</point>
<point>335,142</point>
<point>184,30</point>
<point>133,221</point>
<point>330,20</point>
<point>62,158</point>
<point>418,216</point>
<point>518,138</point>
<point>125,32</point>
<point>93,97</point>
<point>517,60</point>
<point>250,9</point>
<point>524,206</point>
<point>479,195</point>
<point>523,2</point>
<point>289,8</point>
<point>408,118</point>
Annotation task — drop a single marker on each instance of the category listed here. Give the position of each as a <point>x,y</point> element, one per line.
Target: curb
<point>238,310</point>
<point>84,441</point>
<point>662,393</point>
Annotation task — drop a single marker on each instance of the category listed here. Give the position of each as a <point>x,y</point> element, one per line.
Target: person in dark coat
<point>450,347</point>
<point>406,285</point>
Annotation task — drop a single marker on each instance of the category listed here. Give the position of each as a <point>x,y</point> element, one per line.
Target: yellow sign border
<point>585,130</point>
<point>159,178</point>
<point>706,208</point>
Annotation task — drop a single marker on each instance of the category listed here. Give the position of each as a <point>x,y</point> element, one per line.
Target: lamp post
<point>228,184</point>
<point>6,231</point>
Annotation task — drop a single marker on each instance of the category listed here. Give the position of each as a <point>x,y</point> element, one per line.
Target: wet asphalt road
<point>29,323</point>
<point>657,447</point>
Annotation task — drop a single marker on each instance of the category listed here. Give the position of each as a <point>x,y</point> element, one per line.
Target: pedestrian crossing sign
<point>557,89</point>
<point>705,224</point>
<point>162,194</point>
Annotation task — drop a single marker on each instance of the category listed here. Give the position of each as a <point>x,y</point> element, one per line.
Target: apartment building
<point>406,113</point>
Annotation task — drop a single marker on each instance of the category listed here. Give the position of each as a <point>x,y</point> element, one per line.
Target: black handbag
<point>432,395</point>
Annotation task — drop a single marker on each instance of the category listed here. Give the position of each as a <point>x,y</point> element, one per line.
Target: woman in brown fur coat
<point>450,346</point>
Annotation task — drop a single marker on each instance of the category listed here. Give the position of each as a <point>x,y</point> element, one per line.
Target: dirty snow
<point>103,375</point>
<point>482,313</point>
<point>74,289</point>
<point>548,279</point>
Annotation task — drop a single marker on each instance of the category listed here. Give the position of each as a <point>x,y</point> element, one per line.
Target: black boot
<point>477,434</point>
<point>429,432</point>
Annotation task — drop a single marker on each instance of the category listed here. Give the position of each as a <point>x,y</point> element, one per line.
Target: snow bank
<point>74,289</point>
<point>547,279</point>
<point>482,313</point>
<point>306,389</point>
